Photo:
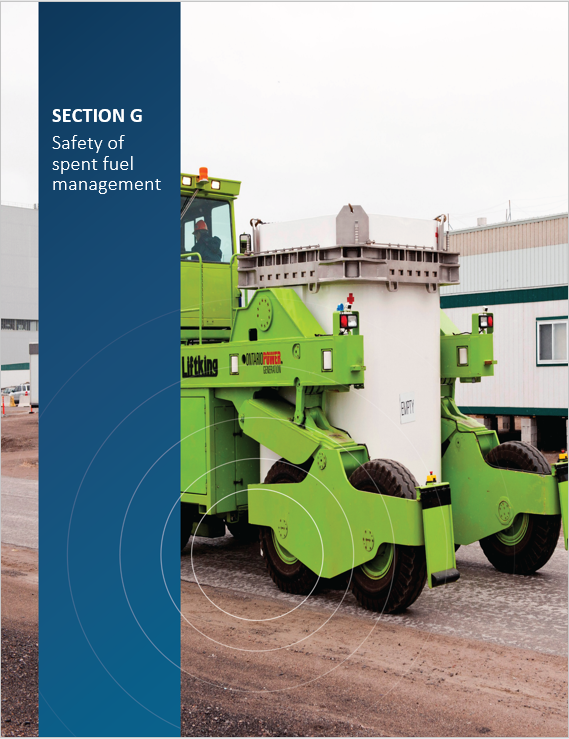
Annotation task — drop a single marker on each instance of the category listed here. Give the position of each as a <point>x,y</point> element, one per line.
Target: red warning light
<point>350,299</point>
<point>490,321</point>
<point>344,320</point>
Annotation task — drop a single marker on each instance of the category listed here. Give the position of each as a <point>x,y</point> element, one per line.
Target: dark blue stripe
<point>110,425</point>
<point>504,297</point>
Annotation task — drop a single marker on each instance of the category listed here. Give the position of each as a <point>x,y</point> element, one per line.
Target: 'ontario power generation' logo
<point>270,361</point>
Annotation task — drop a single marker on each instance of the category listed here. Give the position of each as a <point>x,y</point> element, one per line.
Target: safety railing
<point>186,258</point>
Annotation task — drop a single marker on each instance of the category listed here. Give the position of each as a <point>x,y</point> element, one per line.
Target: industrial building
<point>518,270</point>
<point>18,290</point>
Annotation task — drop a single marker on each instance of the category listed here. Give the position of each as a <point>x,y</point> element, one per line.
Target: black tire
<point>518,455</point>
<point>292,576</point>
<point>403,582</point>
<point>243,531</point>
<point>528,544</point>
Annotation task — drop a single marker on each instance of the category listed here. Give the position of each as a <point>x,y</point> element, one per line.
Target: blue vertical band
<point>109,415</point>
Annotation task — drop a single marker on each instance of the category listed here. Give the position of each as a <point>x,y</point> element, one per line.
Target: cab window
<point>206,229</point>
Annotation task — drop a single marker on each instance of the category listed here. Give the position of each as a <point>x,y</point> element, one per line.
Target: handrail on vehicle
<point>185,258</point>
<point>231,297</point>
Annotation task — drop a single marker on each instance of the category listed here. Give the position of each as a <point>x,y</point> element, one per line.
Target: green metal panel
<point>227,188</point>
<point>486,499</point>
<point>283,352</point>
<point>560,471</point>
<point>217,334</point>
<point>272,423</point>
<point>479,348</point>
<point>285,313</point>
<point>216,302</point>
<point>193,446</point>
<point>224,445</point>
<point>563,505</point>
<point>324,513</point>
<point>439,540</point>
<point>247,468</point>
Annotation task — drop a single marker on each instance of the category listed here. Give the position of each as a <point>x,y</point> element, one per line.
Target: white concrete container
<point>397,415</point>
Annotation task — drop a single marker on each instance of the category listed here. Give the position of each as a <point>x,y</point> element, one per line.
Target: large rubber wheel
<point>287,572</point>
<point>527,545</point>
<point>394,579</point>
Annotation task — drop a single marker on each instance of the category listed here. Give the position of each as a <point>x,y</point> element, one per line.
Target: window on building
<point>19,324</point>
<point>552,340</point>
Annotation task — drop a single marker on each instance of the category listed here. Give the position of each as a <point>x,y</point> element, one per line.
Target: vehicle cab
<point>207,229</point>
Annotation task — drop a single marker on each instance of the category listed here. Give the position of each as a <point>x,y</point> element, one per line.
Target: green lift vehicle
<point>257,372</point>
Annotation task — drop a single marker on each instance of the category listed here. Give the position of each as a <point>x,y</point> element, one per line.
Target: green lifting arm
<point>485,499</point>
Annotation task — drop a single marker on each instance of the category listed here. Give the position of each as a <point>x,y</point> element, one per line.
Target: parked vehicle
<point>21,390</point>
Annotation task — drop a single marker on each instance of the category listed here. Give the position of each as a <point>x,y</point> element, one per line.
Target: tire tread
<point>410,573</point>
<point>543,531</point>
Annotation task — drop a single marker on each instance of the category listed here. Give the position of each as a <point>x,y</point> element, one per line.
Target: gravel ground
<point>207,718</point>
<point>19,682</point>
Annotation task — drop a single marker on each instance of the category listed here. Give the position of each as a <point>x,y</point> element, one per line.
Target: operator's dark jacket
<point>209,247</point>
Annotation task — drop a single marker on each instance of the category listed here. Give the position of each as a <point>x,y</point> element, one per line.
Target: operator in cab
<point>209,247</point>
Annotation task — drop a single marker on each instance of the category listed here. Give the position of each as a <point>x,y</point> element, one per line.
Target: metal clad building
<point>18,290</point>
<point>519,270</point>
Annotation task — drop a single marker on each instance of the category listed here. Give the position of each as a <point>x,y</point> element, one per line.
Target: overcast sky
<point>408,109</point>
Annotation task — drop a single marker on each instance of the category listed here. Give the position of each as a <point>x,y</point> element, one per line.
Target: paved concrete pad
<point>525,612</point>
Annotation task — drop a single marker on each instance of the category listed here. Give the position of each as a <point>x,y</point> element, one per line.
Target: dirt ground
<point>350,677</point>
<point>20,443</point>
<point>354,677</point>
<point>19,641</point>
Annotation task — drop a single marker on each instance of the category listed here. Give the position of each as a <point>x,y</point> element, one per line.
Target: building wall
<point>14,377</point>
<point>528,234</point>
<point>519,271</point>
<point>14,346</point>
<point>537,266</point>
<point>519,385</point>
<point>18,279</point>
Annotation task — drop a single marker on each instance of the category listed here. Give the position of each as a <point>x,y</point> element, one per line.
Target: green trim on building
<point>20,366</point>
<point>505,297</point>
<point>476,410</point>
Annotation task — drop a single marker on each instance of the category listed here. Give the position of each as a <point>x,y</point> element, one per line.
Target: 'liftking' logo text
<point>199,367</point>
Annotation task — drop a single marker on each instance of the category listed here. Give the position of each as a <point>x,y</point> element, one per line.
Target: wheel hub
<point>515,533</point>
<point>379,566</point>
<point>283,553</point>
